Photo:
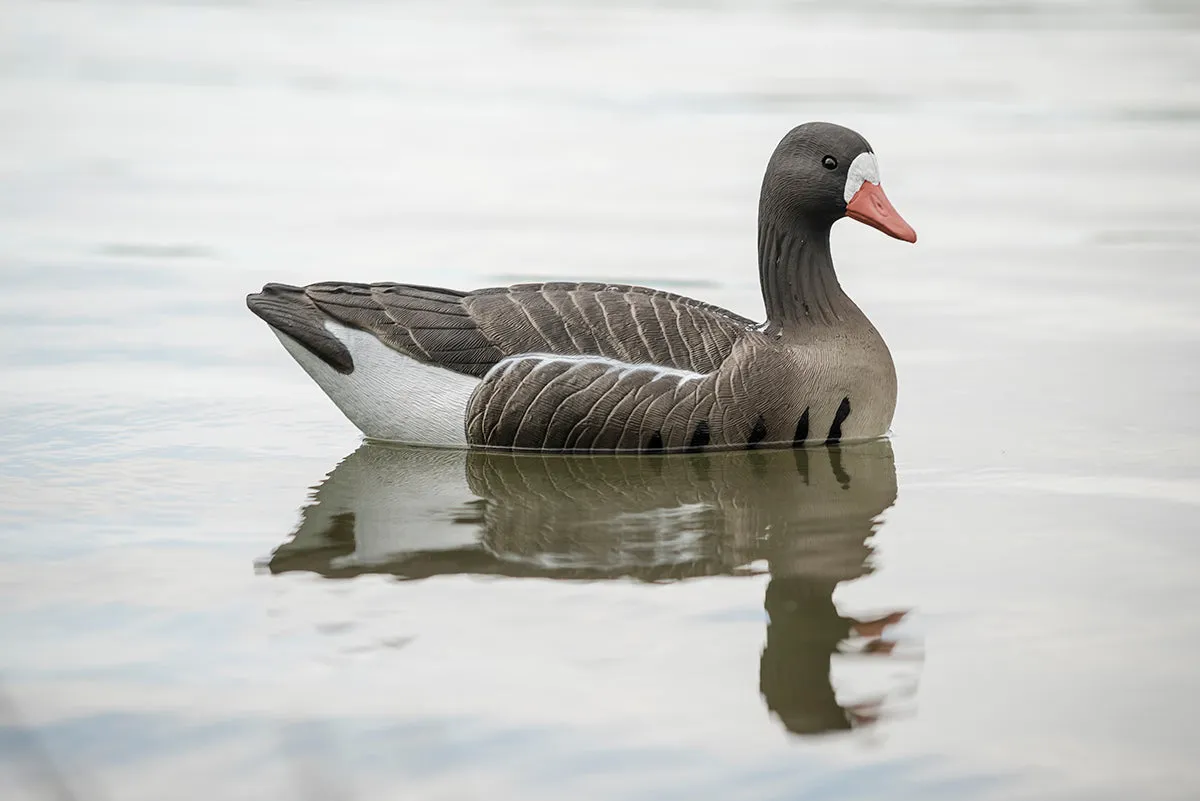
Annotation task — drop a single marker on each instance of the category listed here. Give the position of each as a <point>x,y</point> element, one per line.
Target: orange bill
<point>871,206</point>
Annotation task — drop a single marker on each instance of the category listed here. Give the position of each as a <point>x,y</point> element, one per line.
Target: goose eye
<point>830,163</point>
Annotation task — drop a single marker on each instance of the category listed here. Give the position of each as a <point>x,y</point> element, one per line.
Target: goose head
<point>821,172</point>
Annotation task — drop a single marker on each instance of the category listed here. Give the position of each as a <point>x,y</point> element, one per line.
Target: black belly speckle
<point>801,435</point>
<point>835,430</point>
<point>758,433</point>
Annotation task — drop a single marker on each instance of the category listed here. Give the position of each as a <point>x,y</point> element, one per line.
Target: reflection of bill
<point>804,633</point>
<point>809,513</point>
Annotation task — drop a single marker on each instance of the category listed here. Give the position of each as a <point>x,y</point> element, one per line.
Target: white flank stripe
<point>624,368</point>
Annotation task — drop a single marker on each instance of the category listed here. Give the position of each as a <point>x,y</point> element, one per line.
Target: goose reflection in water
<point>808,513</point>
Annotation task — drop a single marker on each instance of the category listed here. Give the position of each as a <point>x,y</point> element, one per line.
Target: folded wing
<point>471,332</point>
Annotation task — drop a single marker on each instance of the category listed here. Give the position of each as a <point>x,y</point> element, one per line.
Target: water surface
<point>210,588</point>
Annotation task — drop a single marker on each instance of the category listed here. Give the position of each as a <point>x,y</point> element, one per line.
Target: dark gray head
<point>821,172</point>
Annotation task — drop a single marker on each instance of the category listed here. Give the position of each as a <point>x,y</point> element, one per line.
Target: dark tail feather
<point>288,309</point>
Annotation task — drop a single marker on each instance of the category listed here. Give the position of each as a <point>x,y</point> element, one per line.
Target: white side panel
<point>390,396</point>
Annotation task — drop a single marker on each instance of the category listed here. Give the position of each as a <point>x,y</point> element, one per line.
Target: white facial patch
<point>863,168</point>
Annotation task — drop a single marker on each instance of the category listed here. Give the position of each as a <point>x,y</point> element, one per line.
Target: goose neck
<point>799,285</point>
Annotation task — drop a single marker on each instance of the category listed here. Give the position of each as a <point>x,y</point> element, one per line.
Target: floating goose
<point>609,367</point>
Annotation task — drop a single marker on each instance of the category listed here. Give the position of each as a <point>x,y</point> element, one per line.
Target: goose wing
<point>470,332</point>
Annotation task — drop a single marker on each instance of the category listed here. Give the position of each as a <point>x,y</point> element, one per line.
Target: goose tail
<point>386,393</point>
<point>289,310</point>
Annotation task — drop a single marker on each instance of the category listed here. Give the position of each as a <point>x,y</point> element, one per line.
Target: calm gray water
<point>209,588</point>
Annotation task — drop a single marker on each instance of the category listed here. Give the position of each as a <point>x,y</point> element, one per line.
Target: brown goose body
<point>603,367</point>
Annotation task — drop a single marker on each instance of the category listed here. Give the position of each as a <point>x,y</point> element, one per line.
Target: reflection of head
<point>821,545</point>
<point>803,632</point>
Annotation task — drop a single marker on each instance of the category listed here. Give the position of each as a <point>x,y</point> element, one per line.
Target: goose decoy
<point>610,367</point>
